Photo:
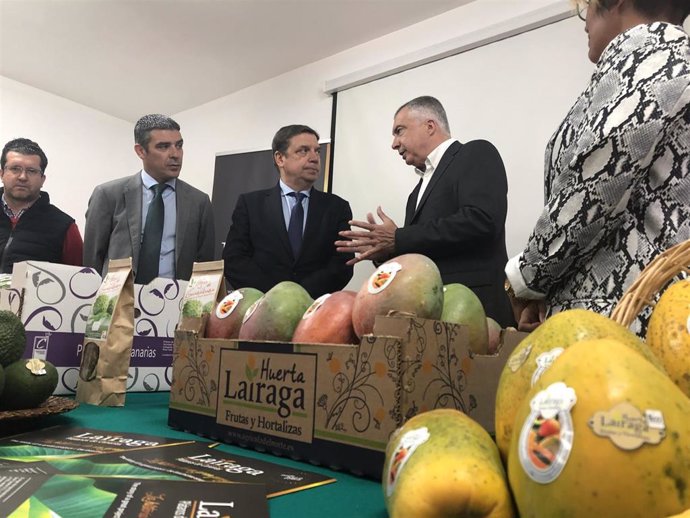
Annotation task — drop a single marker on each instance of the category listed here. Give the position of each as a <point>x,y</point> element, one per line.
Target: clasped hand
<point>375,242</point>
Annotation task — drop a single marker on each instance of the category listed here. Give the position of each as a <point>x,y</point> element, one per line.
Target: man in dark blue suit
<point>286,233</point>
<point>455,215</point>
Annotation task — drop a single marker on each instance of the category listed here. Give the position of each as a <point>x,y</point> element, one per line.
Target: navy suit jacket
<point>257,251</point>
<point>460,223</point>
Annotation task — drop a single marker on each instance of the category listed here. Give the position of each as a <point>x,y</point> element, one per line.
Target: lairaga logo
<point>268,392</point>
<point>267,385</point>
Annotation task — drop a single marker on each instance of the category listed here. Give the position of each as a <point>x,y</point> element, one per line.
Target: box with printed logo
<point>157,307</point>
<point>331,404</point>
<point>54,302</point>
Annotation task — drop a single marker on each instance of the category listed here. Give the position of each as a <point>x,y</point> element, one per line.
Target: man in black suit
<point>456,214</point>
<point>286,233</point>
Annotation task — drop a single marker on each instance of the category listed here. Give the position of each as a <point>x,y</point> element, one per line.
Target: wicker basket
<point>17,421</point>
<point>653,279</point>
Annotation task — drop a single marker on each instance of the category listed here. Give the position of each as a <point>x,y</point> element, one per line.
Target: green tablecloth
<point>147,413</point>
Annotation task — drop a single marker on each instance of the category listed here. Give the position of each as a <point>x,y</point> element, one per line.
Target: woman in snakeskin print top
<point>617,170</point>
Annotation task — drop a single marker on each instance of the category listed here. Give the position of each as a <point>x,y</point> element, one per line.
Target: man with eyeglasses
<point>31,228</point>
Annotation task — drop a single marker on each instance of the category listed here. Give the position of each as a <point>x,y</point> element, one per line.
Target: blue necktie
<point>150,251</point>
<point>296,223</point>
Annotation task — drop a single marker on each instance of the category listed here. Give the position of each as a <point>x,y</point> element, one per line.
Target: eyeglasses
<point>17,170</point>
<point>581,7</point>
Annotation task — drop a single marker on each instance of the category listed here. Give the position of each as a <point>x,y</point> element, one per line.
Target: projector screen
<point>513,92</point>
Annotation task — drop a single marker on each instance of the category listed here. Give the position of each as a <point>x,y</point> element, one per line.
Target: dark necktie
<point>296,223</point>
<point>150,252</point>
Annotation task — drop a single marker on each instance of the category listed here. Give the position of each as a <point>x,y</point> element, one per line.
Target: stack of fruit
<point>590,422</point>
<point>24,383</point>
<point>409,285</point>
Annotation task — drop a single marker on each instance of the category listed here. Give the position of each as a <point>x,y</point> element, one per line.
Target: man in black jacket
<point>30,227</point>
<point>456,214</point>
<point>286,233</point>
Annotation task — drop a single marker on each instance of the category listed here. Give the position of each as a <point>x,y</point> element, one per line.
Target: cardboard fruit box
<point>334,405</point>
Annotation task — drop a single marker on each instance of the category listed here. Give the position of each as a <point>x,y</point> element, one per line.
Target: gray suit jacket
<point>113,225</point>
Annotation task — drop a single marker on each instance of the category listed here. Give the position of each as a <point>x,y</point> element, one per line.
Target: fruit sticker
<point>315,305</point>
<point>228,304</point>
<point>518,360</point>
<point>383,276</point>
<point>251,310</point>
<point>627,427</point>
<point>546,437</point>
<point>407,445</point>
<point>544,361</point>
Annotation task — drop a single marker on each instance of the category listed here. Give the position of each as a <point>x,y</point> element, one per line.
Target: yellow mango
<point>442,464</point>
<point>668,333</point>
<point>540,347</point>
<point>622,450</point>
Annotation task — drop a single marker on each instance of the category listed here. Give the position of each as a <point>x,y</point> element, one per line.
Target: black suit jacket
<point>257,251</point>
<point>460,223</point>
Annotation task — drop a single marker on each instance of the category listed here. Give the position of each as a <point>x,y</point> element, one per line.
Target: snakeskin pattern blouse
<point>617,174</point>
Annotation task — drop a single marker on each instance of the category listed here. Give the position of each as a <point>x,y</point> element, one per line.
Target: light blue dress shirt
<point>166,265</point>
<point>289,203</point>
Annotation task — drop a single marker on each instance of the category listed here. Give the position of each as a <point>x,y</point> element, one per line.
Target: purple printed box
<point>157,307</point>
<point>54,302</point>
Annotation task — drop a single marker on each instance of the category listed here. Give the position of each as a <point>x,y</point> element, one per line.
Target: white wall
<point>84,146</point>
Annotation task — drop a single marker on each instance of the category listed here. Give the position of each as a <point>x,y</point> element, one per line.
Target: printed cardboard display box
<point>54,302</point>
<point>157,307</point>
<point>334,405</point>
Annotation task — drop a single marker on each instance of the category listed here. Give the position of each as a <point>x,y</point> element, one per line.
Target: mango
<point>275,316</point>
<point>226,319</point>
<point>462,306</point>
<point>442,464</point>
<point>494,329</point>
<point>621,446</point>
<point>328,320</point>
<point>409,283</point>
<point>533,355</point>
<point>668,333</point>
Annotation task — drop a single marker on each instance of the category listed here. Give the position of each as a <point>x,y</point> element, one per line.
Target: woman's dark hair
<point>676,11</point>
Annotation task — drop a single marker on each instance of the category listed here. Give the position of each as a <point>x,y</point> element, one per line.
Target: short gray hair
<point>430,107</point>
<point>148,123</point>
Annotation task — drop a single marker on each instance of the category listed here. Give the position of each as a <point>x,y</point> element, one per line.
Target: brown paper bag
<point>205,289</point>
<point>108,339</point>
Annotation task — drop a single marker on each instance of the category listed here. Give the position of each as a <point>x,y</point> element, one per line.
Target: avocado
<point>28,383</point>
<point>12,338</point>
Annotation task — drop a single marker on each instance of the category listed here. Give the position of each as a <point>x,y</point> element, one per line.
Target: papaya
<point>225,321</point>
<point>328,320</point>
<point>409,283</point>
<point>619,442</point>
<point>442,464</point>
<point>462,306</point>
<point>668,333</point>
<point>275,316</point>
<point>535,352</point>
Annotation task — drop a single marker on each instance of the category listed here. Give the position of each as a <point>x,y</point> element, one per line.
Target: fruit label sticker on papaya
<point>228,304</point>
<point>251,310</point>
<point>544,361</point>
<point>518,360</point>
<point>407,445</point>
<point>546,437</point>
<point>627,427</point>
<point>382,277</point>
<point>315,305</point>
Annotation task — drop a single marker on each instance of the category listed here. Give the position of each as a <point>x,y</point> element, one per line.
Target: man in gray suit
<point>163,223</point>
